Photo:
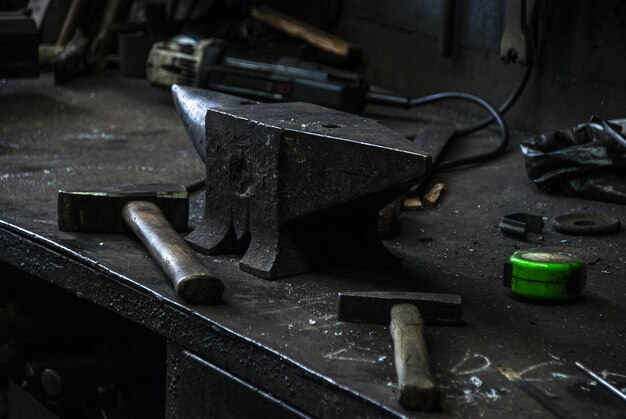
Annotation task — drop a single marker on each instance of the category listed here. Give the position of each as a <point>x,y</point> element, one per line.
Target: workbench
<point>276,347</point>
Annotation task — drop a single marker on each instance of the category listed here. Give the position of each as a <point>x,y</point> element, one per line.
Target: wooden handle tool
<point>417,389</point>
<point>302,30</point>
<point>192,280</point>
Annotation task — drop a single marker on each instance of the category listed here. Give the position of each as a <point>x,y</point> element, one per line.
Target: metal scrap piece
<point>521,224</point>
<point>433,195</point>
<point>536,394</point>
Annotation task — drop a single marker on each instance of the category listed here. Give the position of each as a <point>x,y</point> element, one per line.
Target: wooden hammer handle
<point>302,30</point>
<point>417,389</point>
<point>192,280</point>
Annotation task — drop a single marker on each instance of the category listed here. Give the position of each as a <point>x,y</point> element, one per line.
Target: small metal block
<point>101,210</point>
<point>521,224</point>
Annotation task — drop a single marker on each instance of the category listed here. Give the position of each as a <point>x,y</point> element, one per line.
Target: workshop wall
<point>579,63</point>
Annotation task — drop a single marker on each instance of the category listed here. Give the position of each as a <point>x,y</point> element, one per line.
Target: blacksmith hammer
<point>146,209</point>
<point>416,386</point>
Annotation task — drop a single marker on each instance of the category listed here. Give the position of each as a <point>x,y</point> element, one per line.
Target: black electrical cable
<point>380,96</point>
<point>512,99</point>
<point>504,108</point>
<point>387,99</point>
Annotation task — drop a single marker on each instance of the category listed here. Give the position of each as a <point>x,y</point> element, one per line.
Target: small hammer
<point>146,209</point>
<point>417,388</point>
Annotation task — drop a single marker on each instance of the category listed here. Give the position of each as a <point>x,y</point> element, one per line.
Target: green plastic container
<point>545,275</point>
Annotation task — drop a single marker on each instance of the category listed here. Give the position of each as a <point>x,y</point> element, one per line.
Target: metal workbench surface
<point>283,336</point>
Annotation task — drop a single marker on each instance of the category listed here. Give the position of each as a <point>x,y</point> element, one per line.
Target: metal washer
<point>586,224</point>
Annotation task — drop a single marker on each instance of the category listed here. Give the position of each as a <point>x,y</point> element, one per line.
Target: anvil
<point>294,185</point>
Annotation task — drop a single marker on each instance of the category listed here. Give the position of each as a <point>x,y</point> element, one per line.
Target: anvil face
<point>299,184</point>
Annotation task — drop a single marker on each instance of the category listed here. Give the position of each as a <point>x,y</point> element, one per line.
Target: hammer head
<point>101,211</point>
<point>375,307</point>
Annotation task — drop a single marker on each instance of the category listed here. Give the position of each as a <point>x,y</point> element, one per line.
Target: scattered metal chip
<point>432,197</point>
<point>413,203</point>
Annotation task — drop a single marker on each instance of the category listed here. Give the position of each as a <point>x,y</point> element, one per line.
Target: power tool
<point>213,64</point>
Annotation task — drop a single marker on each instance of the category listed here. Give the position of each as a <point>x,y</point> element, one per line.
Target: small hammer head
<point>101,211</point>
<point>375,306</point>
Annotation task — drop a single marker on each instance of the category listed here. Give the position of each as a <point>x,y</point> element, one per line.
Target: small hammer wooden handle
<point>417,389</point>
<point>192,280</point>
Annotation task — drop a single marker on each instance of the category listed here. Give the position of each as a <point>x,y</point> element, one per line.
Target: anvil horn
<point>192,105</point>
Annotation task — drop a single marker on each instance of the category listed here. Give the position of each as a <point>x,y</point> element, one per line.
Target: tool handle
<point>192,280</point>
<point>302,30</point>
<point>417,389</point>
